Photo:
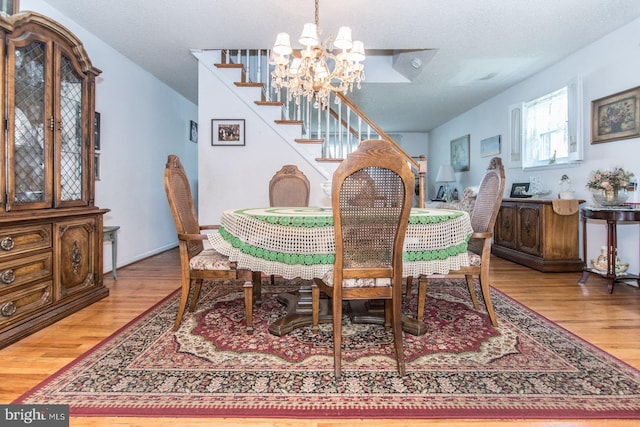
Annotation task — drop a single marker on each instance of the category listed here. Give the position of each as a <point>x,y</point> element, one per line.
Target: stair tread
<point>248,84</point>
<point>229,65</point>
<point>274,103</point>
<point>289,122</point>
<point>310,140</point>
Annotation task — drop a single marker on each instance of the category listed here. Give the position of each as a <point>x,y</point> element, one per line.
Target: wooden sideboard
<point>531,233</point>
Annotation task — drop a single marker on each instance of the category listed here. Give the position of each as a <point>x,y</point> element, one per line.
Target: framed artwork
<point>96,131</point>
<point>616,116</point>
<point>460,153</point>
<point>227,132</point>
<point>490,146</point>
<point>519,190</point>
<point>440,195</point>
<point>193,131</point>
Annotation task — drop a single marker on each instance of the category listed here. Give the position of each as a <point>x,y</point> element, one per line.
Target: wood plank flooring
<point>611,322</point>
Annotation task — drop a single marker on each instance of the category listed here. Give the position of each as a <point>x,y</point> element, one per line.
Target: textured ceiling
<point>483,47</point>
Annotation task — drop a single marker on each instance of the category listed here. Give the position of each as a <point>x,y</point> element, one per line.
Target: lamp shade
<point>446,174</point>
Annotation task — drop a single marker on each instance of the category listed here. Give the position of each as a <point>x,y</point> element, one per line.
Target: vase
<point>615,197</point>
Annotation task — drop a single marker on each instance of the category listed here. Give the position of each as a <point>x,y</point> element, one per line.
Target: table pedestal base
<point>298,312</point>
<point>360,311</point>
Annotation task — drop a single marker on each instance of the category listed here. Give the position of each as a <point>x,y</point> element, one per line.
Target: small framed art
<point>490,146</point>
<point>227,132</point>
<point>519,190</point>
<point>193,131</point>
<point>460,153</point>
<point>616,116</point>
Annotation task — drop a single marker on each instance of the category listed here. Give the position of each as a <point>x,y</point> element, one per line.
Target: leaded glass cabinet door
<point>29,113</point>
<point>71,132</point>
<point>48,126</point>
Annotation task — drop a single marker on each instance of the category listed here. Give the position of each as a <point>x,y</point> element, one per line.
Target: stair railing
<point>339,128</point>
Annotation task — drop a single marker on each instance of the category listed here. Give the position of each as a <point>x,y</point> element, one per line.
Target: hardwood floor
<point>611,322</point>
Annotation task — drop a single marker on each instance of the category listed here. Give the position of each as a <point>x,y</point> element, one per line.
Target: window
<point>545,131</point>
<point>545,139</point>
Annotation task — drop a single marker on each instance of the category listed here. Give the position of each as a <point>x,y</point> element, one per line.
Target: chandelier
<point>315,71</point>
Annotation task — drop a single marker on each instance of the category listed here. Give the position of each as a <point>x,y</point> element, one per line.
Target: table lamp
<point>446,175</point>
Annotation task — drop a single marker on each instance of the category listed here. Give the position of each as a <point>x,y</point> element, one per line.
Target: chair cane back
<point>289,187</point>
<point>372,194</point>
<point>483,219</point>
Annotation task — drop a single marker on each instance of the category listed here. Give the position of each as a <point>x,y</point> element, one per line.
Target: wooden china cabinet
<point>50,229</point>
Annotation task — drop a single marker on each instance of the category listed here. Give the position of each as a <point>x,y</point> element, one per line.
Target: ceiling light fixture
<point>315,71</point>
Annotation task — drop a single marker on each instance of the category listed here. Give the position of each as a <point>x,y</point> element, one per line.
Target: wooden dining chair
<point>483,219</point>
<point>369,231</point>
<point>289,187</point>
<point>196,262</point>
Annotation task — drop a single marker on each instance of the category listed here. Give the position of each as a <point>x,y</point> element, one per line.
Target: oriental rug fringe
<point>462,367</point>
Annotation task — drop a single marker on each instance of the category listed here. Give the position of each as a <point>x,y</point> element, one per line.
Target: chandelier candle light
<point>315,71</point>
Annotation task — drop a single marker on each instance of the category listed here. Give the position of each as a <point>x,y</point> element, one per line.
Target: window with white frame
<point>548,129</point>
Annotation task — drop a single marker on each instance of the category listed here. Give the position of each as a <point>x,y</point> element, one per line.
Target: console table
<point>612,216</point>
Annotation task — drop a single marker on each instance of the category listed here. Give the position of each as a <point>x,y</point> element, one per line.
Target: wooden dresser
<point>50,230</point>
<point>531,233</point>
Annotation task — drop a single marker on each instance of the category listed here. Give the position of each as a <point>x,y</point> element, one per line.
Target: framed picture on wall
<point>227,132</point>
<point>616,116</point>
<point>490,146</point>
<point>193,131</point>
<point>460,153</point>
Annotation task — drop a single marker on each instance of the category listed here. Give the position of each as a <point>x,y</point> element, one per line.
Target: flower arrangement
<point>613,179</point>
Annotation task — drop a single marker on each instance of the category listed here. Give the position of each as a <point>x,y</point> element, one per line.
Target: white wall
<point>143,120</point>
<point>607,66</point>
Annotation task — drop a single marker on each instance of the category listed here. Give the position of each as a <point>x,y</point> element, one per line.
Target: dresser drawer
<point>22,303</point>
<point>17,272</point>
<point>20,240</point>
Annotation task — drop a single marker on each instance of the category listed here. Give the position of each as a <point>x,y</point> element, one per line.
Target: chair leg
<point>396,304</point>
<point>273,279</point>
<point>184,296</point>
<point>337,336</point>
<point>422,297</point>
<point>472,291</point>
<point>315,307</point>
<point>248,306</point>
<point>388,315</point>
<point>486,295</point>
<point>196,295</point>
<point>256,279</point>
<point>409,287</point>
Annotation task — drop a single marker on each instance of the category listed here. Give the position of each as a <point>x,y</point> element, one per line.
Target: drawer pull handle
<point>7,244</point>
<point>7,277</point>
<point>9,309</point>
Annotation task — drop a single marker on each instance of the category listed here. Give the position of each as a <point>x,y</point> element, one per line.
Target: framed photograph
<point>227,132</point>
<point>96,131</point>
<point>193,131</point>
<point>490,146</point>
<point>616,116</point>
<point>440,195</point>
<point>460,153</point>
<point>519,189</point>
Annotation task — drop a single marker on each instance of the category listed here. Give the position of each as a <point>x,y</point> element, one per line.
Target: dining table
<point>299,243</point>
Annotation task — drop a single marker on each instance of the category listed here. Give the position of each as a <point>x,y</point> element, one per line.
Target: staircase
<point>323,136</point>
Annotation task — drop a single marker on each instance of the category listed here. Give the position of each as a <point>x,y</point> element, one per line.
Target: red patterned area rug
<point>461,368</point>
